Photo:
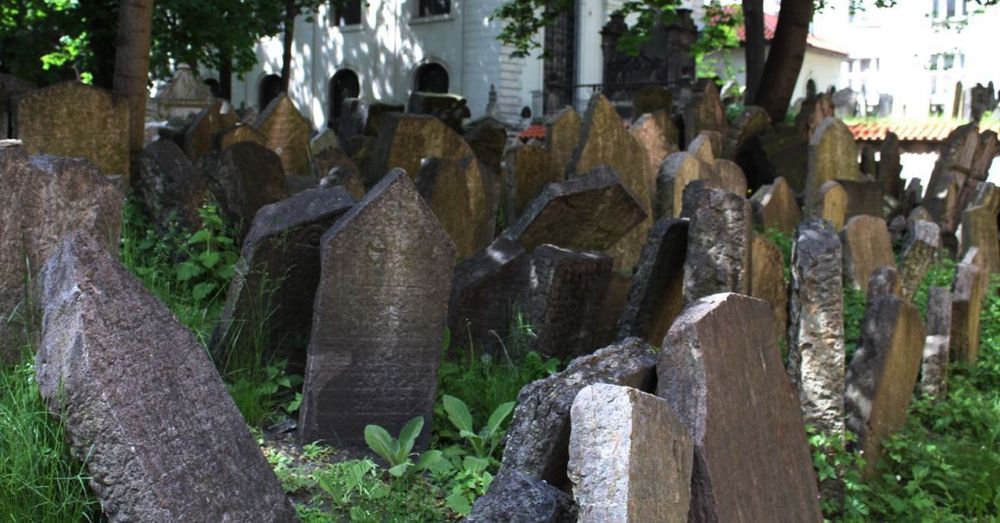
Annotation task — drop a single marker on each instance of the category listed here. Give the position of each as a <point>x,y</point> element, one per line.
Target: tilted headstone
<point>287,133</point>
<point>244,177</point>
<point>272,291</point>
<point>656,296</point>
<point>327,154</point>
<point>832,156</point>
<point>704,112</point>
<point>884,280</point>
<point>934,369</point>
<point>768,281</point>
<point>704,146</point>
<point>455,193</point>
<point>488,139</point>
<point>779,151</point>
<point>591,212</point>
<point>630,458</point>
<point>890,167</point>
<point>922,244</point>
<point>816,327</point>
<point>979,230</point>
<point>529,168</point>
<point>814,110</point>
<point>751,122</point>
<point>212,120</point>
<point>950,173</point>
<point>562,135</point>
<point>869,166</point>
<point>867,246</point>
<point>832,205</point>
<point>649,131</point>
<point>774,207</point>
<point>378,319</point>
<point>360,118</point>
<point>676,172</point>
<point>10,86</point>
<point>517,498</point>
<point>404,140</point>
<point>72,119</point>
<point>449,108</point>
<point>142,403</point>
<point>44,198</point>
<point>720,369</point>
<point>986,151</point>
<point>719,242</point>
<point>967,292</point>
<point>883,373</point>
<point>169,187</point>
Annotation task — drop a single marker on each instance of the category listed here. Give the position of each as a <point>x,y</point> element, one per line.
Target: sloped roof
<point>912,131</point>
<point>771,23</point>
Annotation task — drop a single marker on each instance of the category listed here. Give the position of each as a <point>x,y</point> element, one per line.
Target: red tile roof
<point>771,23</point>
<point>913,131</point>
<point>536,131</point>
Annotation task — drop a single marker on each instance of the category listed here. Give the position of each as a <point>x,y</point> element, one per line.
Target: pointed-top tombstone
<point>454,190</point>
<point>775,207</point>
<point>867,246</point>
<point>287,133</point>
<point>833,155</point>
<point>950,173</point>
<point>404,140</point>
<point>656,297</point>
<point>562,134</point>
<point>212,120</point>
<point>529,168</point>
<point>676,172</point>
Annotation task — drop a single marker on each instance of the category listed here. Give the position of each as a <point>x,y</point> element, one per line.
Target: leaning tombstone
<point>515,497</point>
<point>979,231</point>
<point>884,280</point>
<point>768,281</point>
<point>968,291</point>
<point>455,193</point>
<point>169,187</point>
<point>730,177</point>
<point>950,173</point>
<point>184,94</point>
<point>832,205</point>
<point>923,241</point>
<point>287,133</point>
<point>142,403</point>
<point>236,133</point>
<point>775,207</point>
<point>832,155</point>
<point>750,123</point>
<point>676,172</point>
<point>779,151</point>
<point>404,140</point>
<point>719,242</point>
<point>863,198</point>
<point>562,135</point>
<point>378,319</point>
<point>704,112</point>
<point>655,296</point>
<point>243,178</point>
<point>648,130</point>
<point>934,369</point>
<point>890,167</point>
<point>529,168</point>
<point>867,246</point>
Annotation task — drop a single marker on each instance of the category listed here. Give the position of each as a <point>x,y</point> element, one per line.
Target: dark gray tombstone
<point>169,187</point>
<point>719,242</point>
<point>656,297</point>
<point>243,178</point>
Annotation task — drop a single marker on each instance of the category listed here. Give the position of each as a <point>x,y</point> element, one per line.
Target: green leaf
<point>210,258</point>
<point>458,413</point>
<point>294,404</point>
<point>458,503</point>
<point>429,459</point>
<point>188,270</point>
<point>400,470</point>
<point>474,464</point>
<point>497,419</point>
<point>203,290</point>
<point>379,440</point>
<point>408,435</point>
<point>199,237</point>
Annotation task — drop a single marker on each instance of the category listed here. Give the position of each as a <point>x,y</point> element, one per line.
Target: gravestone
<point>967,292</point>
<point>890,167</point>
<point>884,280</point>
<point>832,205</point>
<point>142,403</point>
<point>704,146</point>
<point>562,135</point>
<point>815,109</point>
<point>704,112</point>
<point>630,458</point>
<point>517,498</point>
<point>986,151</point>
<point>184,94</point>
<point>934,368</point>
<point>591,212</point>
<point>244,177</point>
<point>863,198</point>
<point>379,315</point>
<point>211,121</point>
<point>751,122</point>
<point>449,108</point>
<point>360,118</point>
<point>676,172</point>
<point>648,130</point>
<point>72,119</point>
<point>768,281</point>
<point>488,139</point>
<point>650,99</point>
<point>832,156</point>
<point>42,199</point>
<point>529,168</point>
<point>979,230</point>
<point>287,133</point>
<point>949,176</point>
<point>816,331</point>
<point>779,151</point>
<point>327,155</point>
<point>719,242</point>
<point>923,241</point>
<point>404,140</point>
<point>537,442</point>
<point>455,193</point>
<point>344,177</point>
<point>869,166</point>
<point>10,87</point>
<point>720,369</point>
<point>775,207</point>
<point>883,373</point>
<point>272,291</point>
<point>239,132</point>
<point>730,177</point>
<point>169,187</point>
<point>655,296</point>
<point>867,246</point>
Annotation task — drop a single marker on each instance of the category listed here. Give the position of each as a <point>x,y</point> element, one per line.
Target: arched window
<point>343,85</point>
<point>431,78</point>
<point>270,88</point>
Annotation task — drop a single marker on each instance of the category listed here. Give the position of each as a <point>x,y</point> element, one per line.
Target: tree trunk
<point>135,21</point>
<point>753,23</point>
<point>289,37</point>
<point>784,61</point>
<point>226,78</point>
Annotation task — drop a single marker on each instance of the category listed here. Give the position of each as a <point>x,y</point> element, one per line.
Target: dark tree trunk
<point>135,21</point>
<point>226,77</point>
<point>753,22</point>
<point>289,37</point>
<point>784,62</point>
<point>102,23</point>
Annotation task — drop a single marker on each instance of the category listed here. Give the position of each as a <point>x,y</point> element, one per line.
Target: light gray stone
<point>923,241</point>
<point>934,369</point>
<point>515,497</point>
<point>719,242</point>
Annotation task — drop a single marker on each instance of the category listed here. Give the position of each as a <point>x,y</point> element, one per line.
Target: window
<point>343,85</point>
<point>944,71</point>
<point>433,7</point>
<point>345,12</point>
<point>431,78</point>
<point>270,88</point>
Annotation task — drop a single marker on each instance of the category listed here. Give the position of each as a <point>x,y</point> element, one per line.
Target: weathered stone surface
<point>10,86</point>
<point>244,177</point>
<point>169,187</point>
<point>832,156</point>
<point>867,246</point>
<point>630,458</point>
<point>720,369</point>
<point>832,205</point>
<point>454,191</point>
<point>719,242</point>
<point>864,197</point>
<point>651,99</point>
<point>184,94</point>
<point>884,280</point>
<point>562,299</point>
<point>986,151</point>
<point>44,198</point>
<point>730,177</point>
<point>378,318</point>
<point>889,167</point>
<point>72,119</point>
<point>779,151</point>
<point>488,139</point>
<point>346,178</point>
<point>816,330</point>
<point>950,173</point>
<point>211,121</point>
<point>814,110</point>
<point>360,118</point>
<point>979,230</point>
<point>775,207</point>
<point>967,292</point>
<point>657,140</point>
<point>562,135</point>
<point>676,172</point>
<point>404,140</point>
<point>327,154</point>
<point>923,241</point>
<point>703,146</point>
<point>768,281</point>
<point>537,441</point>
<point>751,122</point>
<point>449,108</point>
<point>883,373</point>
<point>590,212</point>
<point>656,297</point>
<point>142,404</point>
<point>240,132</point>
<point>704,112</point>
<point>934,369</point>
<point>272,291</point>
<point>529,168</point>
<point>515,497</point>
<point>287,133</point>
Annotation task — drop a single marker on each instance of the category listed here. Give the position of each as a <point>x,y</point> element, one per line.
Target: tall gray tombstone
<point>656,295</point>
<point>719,242</point>
<point>934,369</point>
<point>720,369</point>
<point>968,291</point>
<point>379,317</point>
<point>832,155</point>
<point>142,404</point>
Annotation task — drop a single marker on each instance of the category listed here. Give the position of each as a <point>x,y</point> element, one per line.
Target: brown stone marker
<point>816,327</point>
<point>779,151</point>
<point>562,135</point>
<point>651,99</point>
<point>775,207</point>
<point>866,246</point>
<point>979,230</point>
<point>883,373</point>
<point>719,242</point>
<point>245,177</point>
<point>588,213</point>
<point>454,190</point>
<point>768,281</point>
<point>529,168</point>
<point>379,317</point>
<point>704,112</point>
<point>648,130</point>
<point>169,187</point>
<point>889,167</point>
<point>676,172</point>
<point>240,132</point>
<point>656,296</point>
<point>287,133</point>
<point>74,120</point>
<point>44,198</point>
<point>968,291</point>
<point>884,280</point>
<point>142,403</point>
<point>950,173</point>
<point>720,369</point>
<point>751,122</point>
<point>404,140</point>
<point>210,122</point>
<point>923,241</point>
<point>703,146</point>
<point>832,205</point>
<point>986,151</point>
<point>832,155</point>
<point>864,197</point>
<point>934,369</point>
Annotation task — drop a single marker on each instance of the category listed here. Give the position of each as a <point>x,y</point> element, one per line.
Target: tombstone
<point>562,299</point>
<point>211,121</point>
<point>967,292</point>
<point>378,319</point>
<point>704,112</point>
<point>529,168</point>
<point>884,280</point>
<point>455,193</point>
<point>923,241</point>
<point>913,195</point>
<point>774,207</point>
<point>832,205</point>
<point>287,133</point>
<point>706,146</point>
<point>730,177</point>
<point>238,132</point>
<point>950,173</point>
<point>488,139</point>
<point>449,108</point>
<point>650,132</point>
<point>816,331</point>
<point>719,242</point>
<point>883,373</point>
<point>244,177</point>
<point>72,119</point>
<point>360,118</point>
<point>869,166</point>
<point>814,110</point>
<point>982,99</point>
<point>630,458</point>
<point>44,198</point>
<point>979,230</point>
<point>326,155</point>
<point>655,296</point>
<point>169,188</point>
<point>863,198</point>
<point>768,281</point>
<point>676,172</point>
<point>720,369</point>
<point>10,87</point>
<point>779,151</point>
<point>141,402</point>
<point>516,497</point>
<point>184,94</point>
<point>588,213</point>
<point>537,441</point>
<point>832,156</point>
<point>651,99</point>
<point>272,291</point>
<point>867,246</point>
<point>562,135</point>
<point>750,123</point>
<point>889,167</point>
<point>404,140</point>
<point>346,178</point>
<point>934,367</point>
<point>986,151</point>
